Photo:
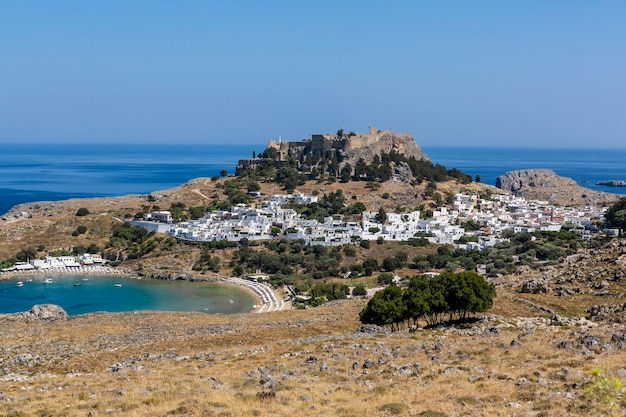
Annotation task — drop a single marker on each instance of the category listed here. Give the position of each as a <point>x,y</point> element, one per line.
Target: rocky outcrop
<point>612,183</point>
<point>386,141</point>
<point>545,184</point>
<point>535,286</point>
<point>45,312</point>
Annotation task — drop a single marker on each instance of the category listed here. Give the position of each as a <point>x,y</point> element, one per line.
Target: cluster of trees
<point>321,293</point>
<point>135,240</point>
<point>330,166</point>
<point>616,215</point>
<point>287,257</point>
<point>446,296</point>
<point>329,204</point>
<point>207,262</point>
<point>524,248</point>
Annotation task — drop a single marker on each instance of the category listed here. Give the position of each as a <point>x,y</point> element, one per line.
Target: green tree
<point>197,212</point>
<point>346,173</point>
<point>616,215</point>
<point>381,217</point>
<point>79,230</point>
<point>359,290</point>
<point>26,254</point>
<point>385,278</point>
<point>386,307</point>
<point>416,298</point>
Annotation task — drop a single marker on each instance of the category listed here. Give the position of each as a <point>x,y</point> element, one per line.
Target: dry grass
<point>188,364</point>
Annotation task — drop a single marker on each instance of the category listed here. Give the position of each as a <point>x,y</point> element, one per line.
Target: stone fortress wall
<point>326,142</point>
<point>353,146</point>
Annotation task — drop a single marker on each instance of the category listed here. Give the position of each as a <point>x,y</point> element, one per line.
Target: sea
<point>50,172</point>
<point>79,294</point>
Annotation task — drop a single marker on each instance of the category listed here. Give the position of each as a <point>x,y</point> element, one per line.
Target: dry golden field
<point>311,362</point>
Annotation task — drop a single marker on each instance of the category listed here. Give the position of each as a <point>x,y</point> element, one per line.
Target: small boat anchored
<point>117,285</point>
<point>19,284</point>
<point>47,281</point>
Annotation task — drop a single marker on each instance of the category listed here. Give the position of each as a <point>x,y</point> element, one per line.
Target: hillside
<point>532,354</point>
<point>518,360</point>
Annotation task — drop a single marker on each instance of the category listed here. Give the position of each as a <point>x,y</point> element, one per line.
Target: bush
<point>82,212</point>
<point>349,251</point>
<point>79,230</point>
<point>385,278</point>
<point>359,291</point>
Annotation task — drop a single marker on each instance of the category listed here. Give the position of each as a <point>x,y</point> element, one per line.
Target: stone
<point>535,286</point>
<point>46,312</point>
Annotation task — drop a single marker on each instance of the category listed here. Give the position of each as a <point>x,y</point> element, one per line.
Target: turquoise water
<point>114,294</point>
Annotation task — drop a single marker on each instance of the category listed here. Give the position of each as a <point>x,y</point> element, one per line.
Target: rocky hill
<point>545,184</point>
<point>384,142</point>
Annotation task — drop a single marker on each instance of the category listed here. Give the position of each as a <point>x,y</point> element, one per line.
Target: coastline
<point>83,270</point>
<point>264,294</point>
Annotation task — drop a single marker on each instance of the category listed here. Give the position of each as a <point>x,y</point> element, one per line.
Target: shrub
<point>83,211</point>
<point>79,230</point>
<point>385,278</point>
<point>359,291</point>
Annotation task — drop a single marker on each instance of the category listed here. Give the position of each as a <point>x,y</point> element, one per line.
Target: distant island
<point>612,183</point>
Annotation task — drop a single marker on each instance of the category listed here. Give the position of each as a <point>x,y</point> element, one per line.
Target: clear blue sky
<point>454,73</point>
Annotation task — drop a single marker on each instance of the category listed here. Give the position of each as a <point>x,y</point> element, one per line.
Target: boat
<point>117,285</point>
<point>85,279</point>
<point>231,301</point>
<point>19,284</point>
<point>77,284</point>
<point>47,281</point>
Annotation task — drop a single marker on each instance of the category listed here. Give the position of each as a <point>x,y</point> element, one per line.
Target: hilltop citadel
<point>348,147</point>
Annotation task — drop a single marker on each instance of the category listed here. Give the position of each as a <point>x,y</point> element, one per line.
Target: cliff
<point>377,142</point>
<point>545,184</point>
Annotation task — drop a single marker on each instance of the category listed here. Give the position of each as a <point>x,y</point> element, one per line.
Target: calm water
<point>99,293</point>
<point>42,172</point>
<point>49,172</point>
<point>585,166</point>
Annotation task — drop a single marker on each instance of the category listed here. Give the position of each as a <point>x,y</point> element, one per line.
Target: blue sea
<point>585,166</point>
<point>44,172</point>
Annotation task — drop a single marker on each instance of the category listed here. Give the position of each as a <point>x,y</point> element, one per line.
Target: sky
<point>454,73</point>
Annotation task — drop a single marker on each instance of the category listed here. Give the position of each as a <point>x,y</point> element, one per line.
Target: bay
<point>79,294</point>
